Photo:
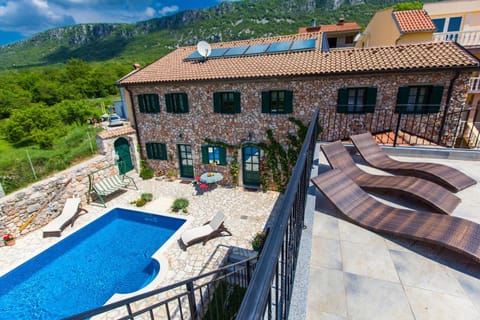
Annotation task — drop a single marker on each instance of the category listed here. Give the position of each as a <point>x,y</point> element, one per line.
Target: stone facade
<point>308,93</point>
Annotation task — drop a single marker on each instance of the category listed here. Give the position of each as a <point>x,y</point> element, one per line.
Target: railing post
<point>397,129</point>
<point>191,301</point>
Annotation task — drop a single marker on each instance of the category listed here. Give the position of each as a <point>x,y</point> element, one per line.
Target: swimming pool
<point>113,254</point>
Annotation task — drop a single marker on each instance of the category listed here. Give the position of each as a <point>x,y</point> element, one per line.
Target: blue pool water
<point>81,272</point>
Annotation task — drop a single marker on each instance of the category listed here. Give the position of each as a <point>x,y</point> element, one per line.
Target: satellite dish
<point>204,49</point>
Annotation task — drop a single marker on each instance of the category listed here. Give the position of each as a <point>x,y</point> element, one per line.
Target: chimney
<point>314,23</point>
<point>136,66</point>
<point>341,21</point>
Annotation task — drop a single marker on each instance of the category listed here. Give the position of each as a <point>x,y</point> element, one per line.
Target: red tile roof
<point>172,67</point>
<point>339,27</point>
<point>117,132</point>
<point>413,21</point>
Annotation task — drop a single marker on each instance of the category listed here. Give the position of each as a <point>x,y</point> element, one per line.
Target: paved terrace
<point>358,274</point>
<point>246,213</point>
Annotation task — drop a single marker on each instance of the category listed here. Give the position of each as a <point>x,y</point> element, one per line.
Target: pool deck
<point>358,274</point>
<point>246,213</point>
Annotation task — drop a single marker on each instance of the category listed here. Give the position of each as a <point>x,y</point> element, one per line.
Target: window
<point>277,101</point>
<point>451,24</point>
<point>155,150</point>
<point>148,103</point>
<point>356,100</point>
<point>214,154</point>
<point>349,39</point>
<point>176,102</point>
<point>419,99</point>
<point>439,24</point>
<point>226,102</point>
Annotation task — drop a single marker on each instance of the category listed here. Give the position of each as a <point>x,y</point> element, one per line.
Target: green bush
<point>146,173</point>
<point>179,204</point>
<point>140,202</point>
<point>147,197</point>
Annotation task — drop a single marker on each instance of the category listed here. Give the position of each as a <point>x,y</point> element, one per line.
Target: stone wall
<point>308,93</point>
<point>43,201</point>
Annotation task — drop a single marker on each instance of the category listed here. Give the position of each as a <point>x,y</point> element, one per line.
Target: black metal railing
<point>269,293</point>
<point>450,128</point>
<point>213,295</point>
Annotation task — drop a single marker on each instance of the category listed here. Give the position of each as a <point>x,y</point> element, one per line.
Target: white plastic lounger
<point>209,230</point>
<point>69,213</point>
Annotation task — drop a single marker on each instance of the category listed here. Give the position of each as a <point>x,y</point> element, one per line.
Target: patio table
<point>211,177</point>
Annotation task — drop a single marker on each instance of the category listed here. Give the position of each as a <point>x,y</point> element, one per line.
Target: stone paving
<point>358,274</point>
<point>246,213</point>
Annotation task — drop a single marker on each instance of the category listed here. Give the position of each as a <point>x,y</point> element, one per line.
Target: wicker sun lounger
<point>457,234</point>
<point>429,193</point>
<point>446,176</point>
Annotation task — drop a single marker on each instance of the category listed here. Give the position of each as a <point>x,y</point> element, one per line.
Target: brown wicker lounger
<point>355,204</point>
<point>427,192</point>
<point>446,176</point>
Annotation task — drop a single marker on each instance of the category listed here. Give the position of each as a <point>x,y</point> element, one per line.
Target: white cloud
<point>167,10</point>
<point>149,12</point>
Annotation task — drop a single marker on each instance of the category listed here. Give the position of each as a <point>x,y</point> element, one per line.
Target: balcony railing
<point>465,38</point>
<point>474,85</point>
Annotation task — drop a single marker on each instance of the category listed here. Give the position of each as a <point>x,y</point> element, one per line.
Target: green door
<point>124,161</point>
<point>185,160</point>
<point>251,166</point>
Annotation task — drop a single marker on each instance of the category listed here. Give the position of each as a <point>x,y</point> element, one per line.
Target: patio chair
<point>427,192</point>
<point>209,230</point>
<point>446,176</point>
<point>69,213</point>
<point>356,205</point>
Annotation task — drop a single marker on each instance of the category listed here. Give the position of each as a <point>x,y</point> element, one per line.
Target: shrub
<point>146,173</point>
<point>140,202</point>
<point>179,204</point>
<point>258,241</point>
<point>147,197</point>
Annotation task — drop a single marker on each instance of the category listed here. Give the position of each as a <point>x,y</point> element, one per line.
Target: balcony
<point>474,85</point>
<point>465,38</point>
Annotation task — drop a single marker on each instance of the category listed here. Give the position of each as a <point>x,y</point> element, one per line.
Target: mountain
<point>146,41</point>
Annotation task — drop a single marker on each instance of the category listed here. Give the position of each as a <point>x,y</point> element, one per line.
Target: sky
<point>20,19</point>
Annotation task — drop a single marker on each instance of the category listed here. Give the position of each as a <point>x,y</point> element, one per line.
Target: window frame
<point>367,104</point>
<point>214,154</point>
<point>148,103</point>
<point>267,101</point>
<point>223,97</point>
<point>176,102</point>
<point>419,99</point>
<point>156,151</point>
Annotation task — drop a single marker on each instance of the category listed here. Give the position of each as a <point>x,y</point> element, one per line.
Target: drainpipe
<point>447,105</point>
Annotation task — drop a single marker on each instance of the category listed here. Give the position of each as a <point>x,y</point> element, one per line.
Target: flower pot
<point>10,243</point>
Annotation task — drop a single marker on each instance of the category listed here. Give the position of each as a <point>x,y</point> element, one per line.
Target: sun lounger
<point>427,192</point>
<point>209,230</point>
<point>446,176</point>
<point>69,213</point>
<point>356,205</point>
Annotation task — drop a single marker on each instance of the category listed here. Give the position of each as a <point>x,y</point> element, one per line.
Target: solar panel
<point>194,56</point>
<point>257,49</point>
<point>218,52</point>
<point>279,46</point>
<point>303,45</point>
<point>235,51</point>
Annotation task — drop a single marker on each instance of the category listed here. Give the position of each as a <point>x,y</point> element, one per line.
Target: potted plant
<point>180,204</point>
<point>258,241</point>
<point>8,239</point>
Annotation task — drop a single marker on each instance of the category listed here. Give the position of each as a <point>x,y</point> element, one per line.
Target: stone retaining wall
<point>43,201</point>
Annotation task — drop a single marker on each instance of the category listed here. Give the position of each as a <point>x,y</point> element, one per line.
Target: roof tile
<point>173,68</point>
<point>413,21</point>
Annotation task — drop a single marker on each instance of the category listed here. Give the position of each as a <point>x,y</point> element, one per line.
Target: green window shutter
<point>222,155</point>
<point>265,102</point>
<point>141,102</point>
<point>435,99</point>
<point>370,100</point>
<point>168,102</point>
<point>342,100</point>
<point>402,99</point>
<point>204,154</point>
<point>216,102</point>
<point>288,101</point>
<point>184,98</point>
<point>148,147</point>
<point>236,96</point>
<point>156,103</point>
<point>163,151</point>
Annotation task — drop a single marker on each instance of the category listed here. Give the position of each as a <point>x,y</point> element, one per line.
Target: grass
<point>226,301</point>
<point>24,165</point>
